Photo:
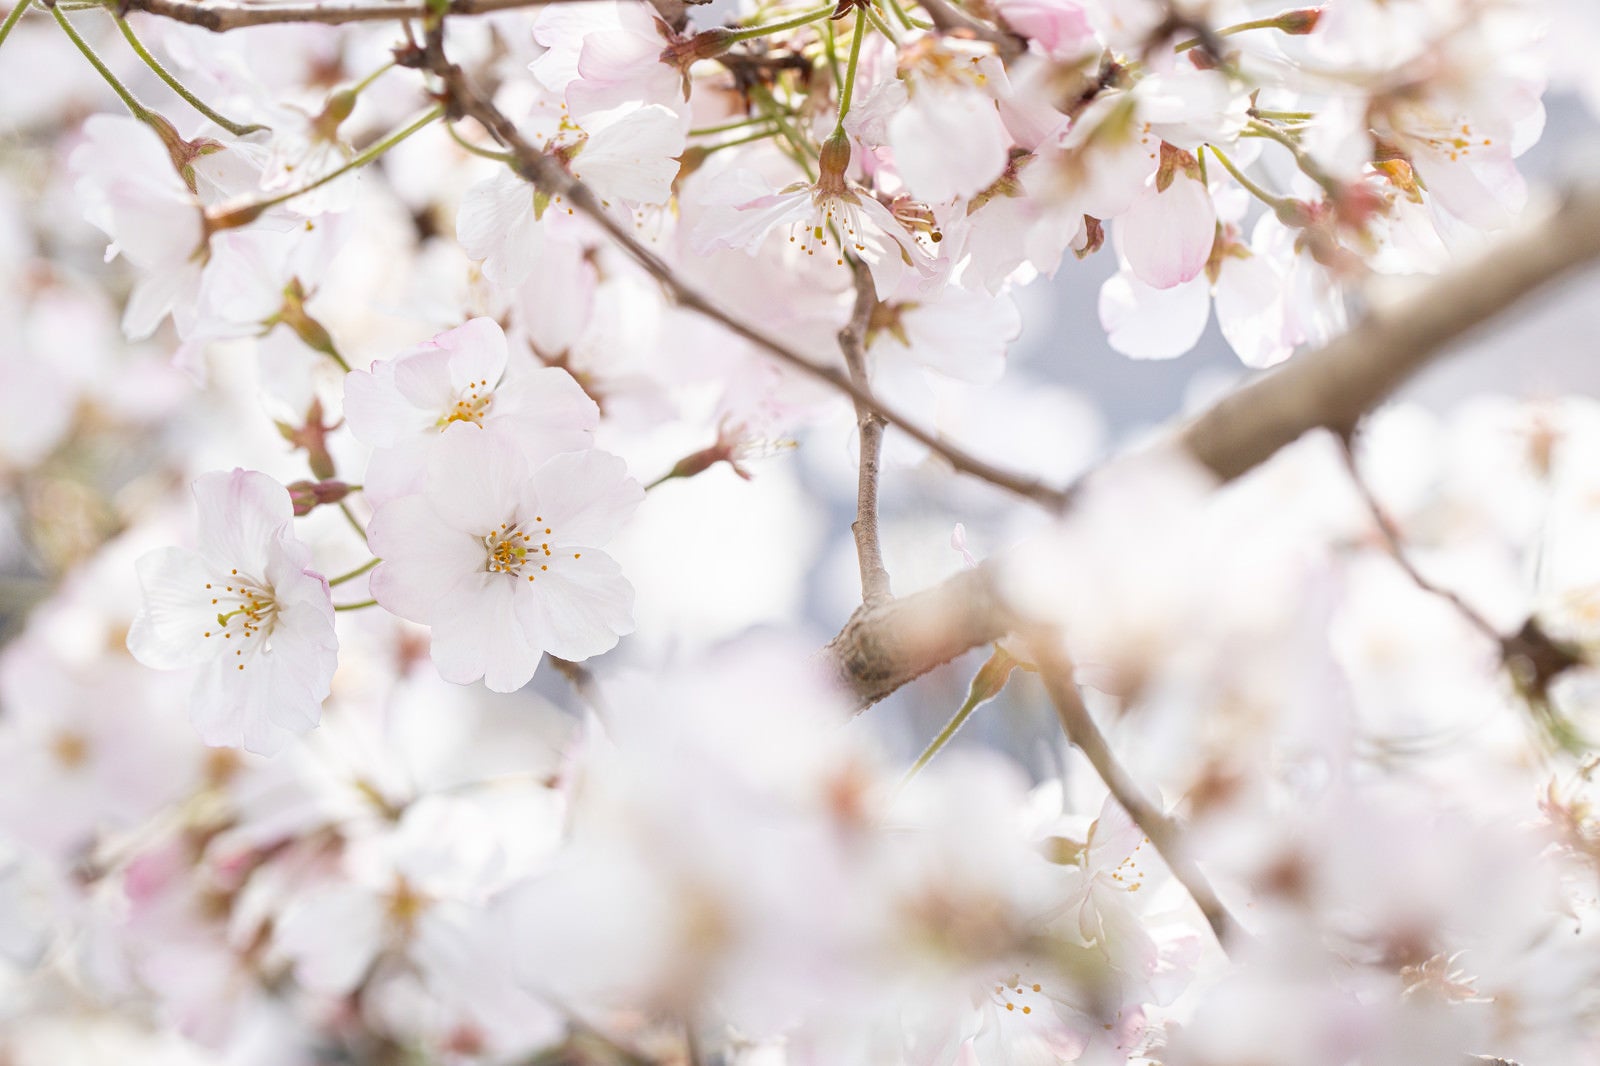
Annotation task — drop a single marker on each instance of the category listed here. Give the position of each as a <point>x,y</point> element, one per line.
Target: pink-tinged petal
<point>476,478</point>
<point>1145,323</point>
<point>169,630</point>
<point>156,293</point>
<point>422,377</point>
<point>749,224</point>
<point>378,414</point>
<point>585,497</point>
<point>230,711</point>
<point>547,411</point>
<point>241,514</point>
<point>1167,236</point>
<point>579,607</point>
<point>424,557</point>
<point>477,350</point>
<point>477,634</point>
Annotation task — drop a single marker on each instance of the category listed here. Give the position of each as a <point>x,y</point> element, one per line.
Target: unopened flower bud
<point>1300,21</point>
<point>833,162</point>
<point>308,495</point>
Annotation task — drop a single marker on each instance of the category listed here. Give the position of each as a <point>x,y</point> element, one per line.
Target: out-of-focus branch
<point>1162,831</point>
<point>1391,541</point>
<point>222,17</point>
<point>853,343</point>
<point>549,177</point>
<point>1534,659</point>
<point>883,647</point>
<point>1334,386</point>
<point>951,19</point>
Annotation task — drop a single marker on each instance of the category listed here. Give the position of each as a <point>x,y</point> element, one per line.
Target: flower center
<point>470,406</point>
<point>245,613</point>
<point>513,550</point>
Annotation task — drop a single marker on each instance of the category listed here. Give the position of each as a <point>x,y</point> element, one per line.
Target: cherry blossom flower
<point>503,562</point>
<point>247,610</point>
<point>833,216</point>
<point>460,378</point>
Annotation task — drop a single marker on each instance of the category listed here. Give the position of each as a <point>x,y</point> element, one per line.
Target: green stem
<point>361,86</point>
<point>990,679</point>
<point>775,111</point>
<point>758,135</point>
<point>1308,166</point>
<point>138,110</point>
<point>879,24</point>
<point>1274,202</point>
<point>900,14</point>
<point>831,49</point>
<point>796,22</point>
<point>12,19</point>
<point>353,574</point>
<point>350,516</point>
<point>356,163</point>
<point>662,480</point>
<point>736,124</point>
<point>355,606</point>
<point>847,87</point>
<point>1272,23</point>
<point>235,128</point>
<point>455,135</point>
<point>1284,116</point>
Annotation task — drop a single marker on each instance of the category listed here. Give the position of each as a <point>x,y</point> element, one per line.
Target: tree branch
<point>852,342</point>
<point>222,17</point>
<point>884,647</point>
<point>1162,831</point>
<point>547,175</point>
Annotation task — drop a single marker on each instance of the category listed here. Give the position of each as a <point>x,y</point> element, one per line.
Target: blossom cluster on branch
<point>421,426</point>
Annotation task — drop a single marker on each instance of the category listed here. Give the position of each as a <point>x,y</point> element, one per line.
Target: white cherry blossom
<point>247,610</point>
<point>402,406</point>
<point>504,562</point>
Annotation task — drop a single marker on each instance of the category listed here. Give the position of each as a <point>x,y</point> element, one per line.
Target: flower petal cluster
<point>244,608</point>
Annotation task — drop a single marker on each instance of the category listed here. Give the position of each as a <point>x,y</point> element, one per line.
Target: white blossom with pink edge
<point>402,406</point>
<point>247,610</point>
<point>503,562</point>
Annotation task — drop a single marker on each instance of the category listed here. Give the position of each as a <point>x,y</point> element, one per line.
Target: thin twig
<point>222,17</point>
<point>1391,539</point>
<point>1162,831</point>
<point>547,175</point>
<point>852,342</point>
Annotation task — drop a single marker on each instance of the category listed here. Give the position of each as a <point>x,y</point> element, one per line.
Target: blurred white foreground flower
<point>502,563</point>
<point>403,405</point>
<point>247,609</point>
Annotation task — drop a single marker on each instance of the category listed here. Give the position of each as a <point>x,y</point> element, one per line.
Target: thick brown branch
<point>1162,831</point>
<point>550,178</point>
<point>853,343</point>
<point>222,17</point>
<point>1331,387</point>
<point>1337,384</point>
<point>885,645</point>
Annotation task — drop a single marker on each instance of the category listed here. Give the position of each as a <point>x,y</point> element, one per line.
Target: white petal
<point>423,556</point>
<point>169,630</point>
<point>1146,323</point>
<point>579,607</point>
<point>585,497</point>
<point>241,514</point>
